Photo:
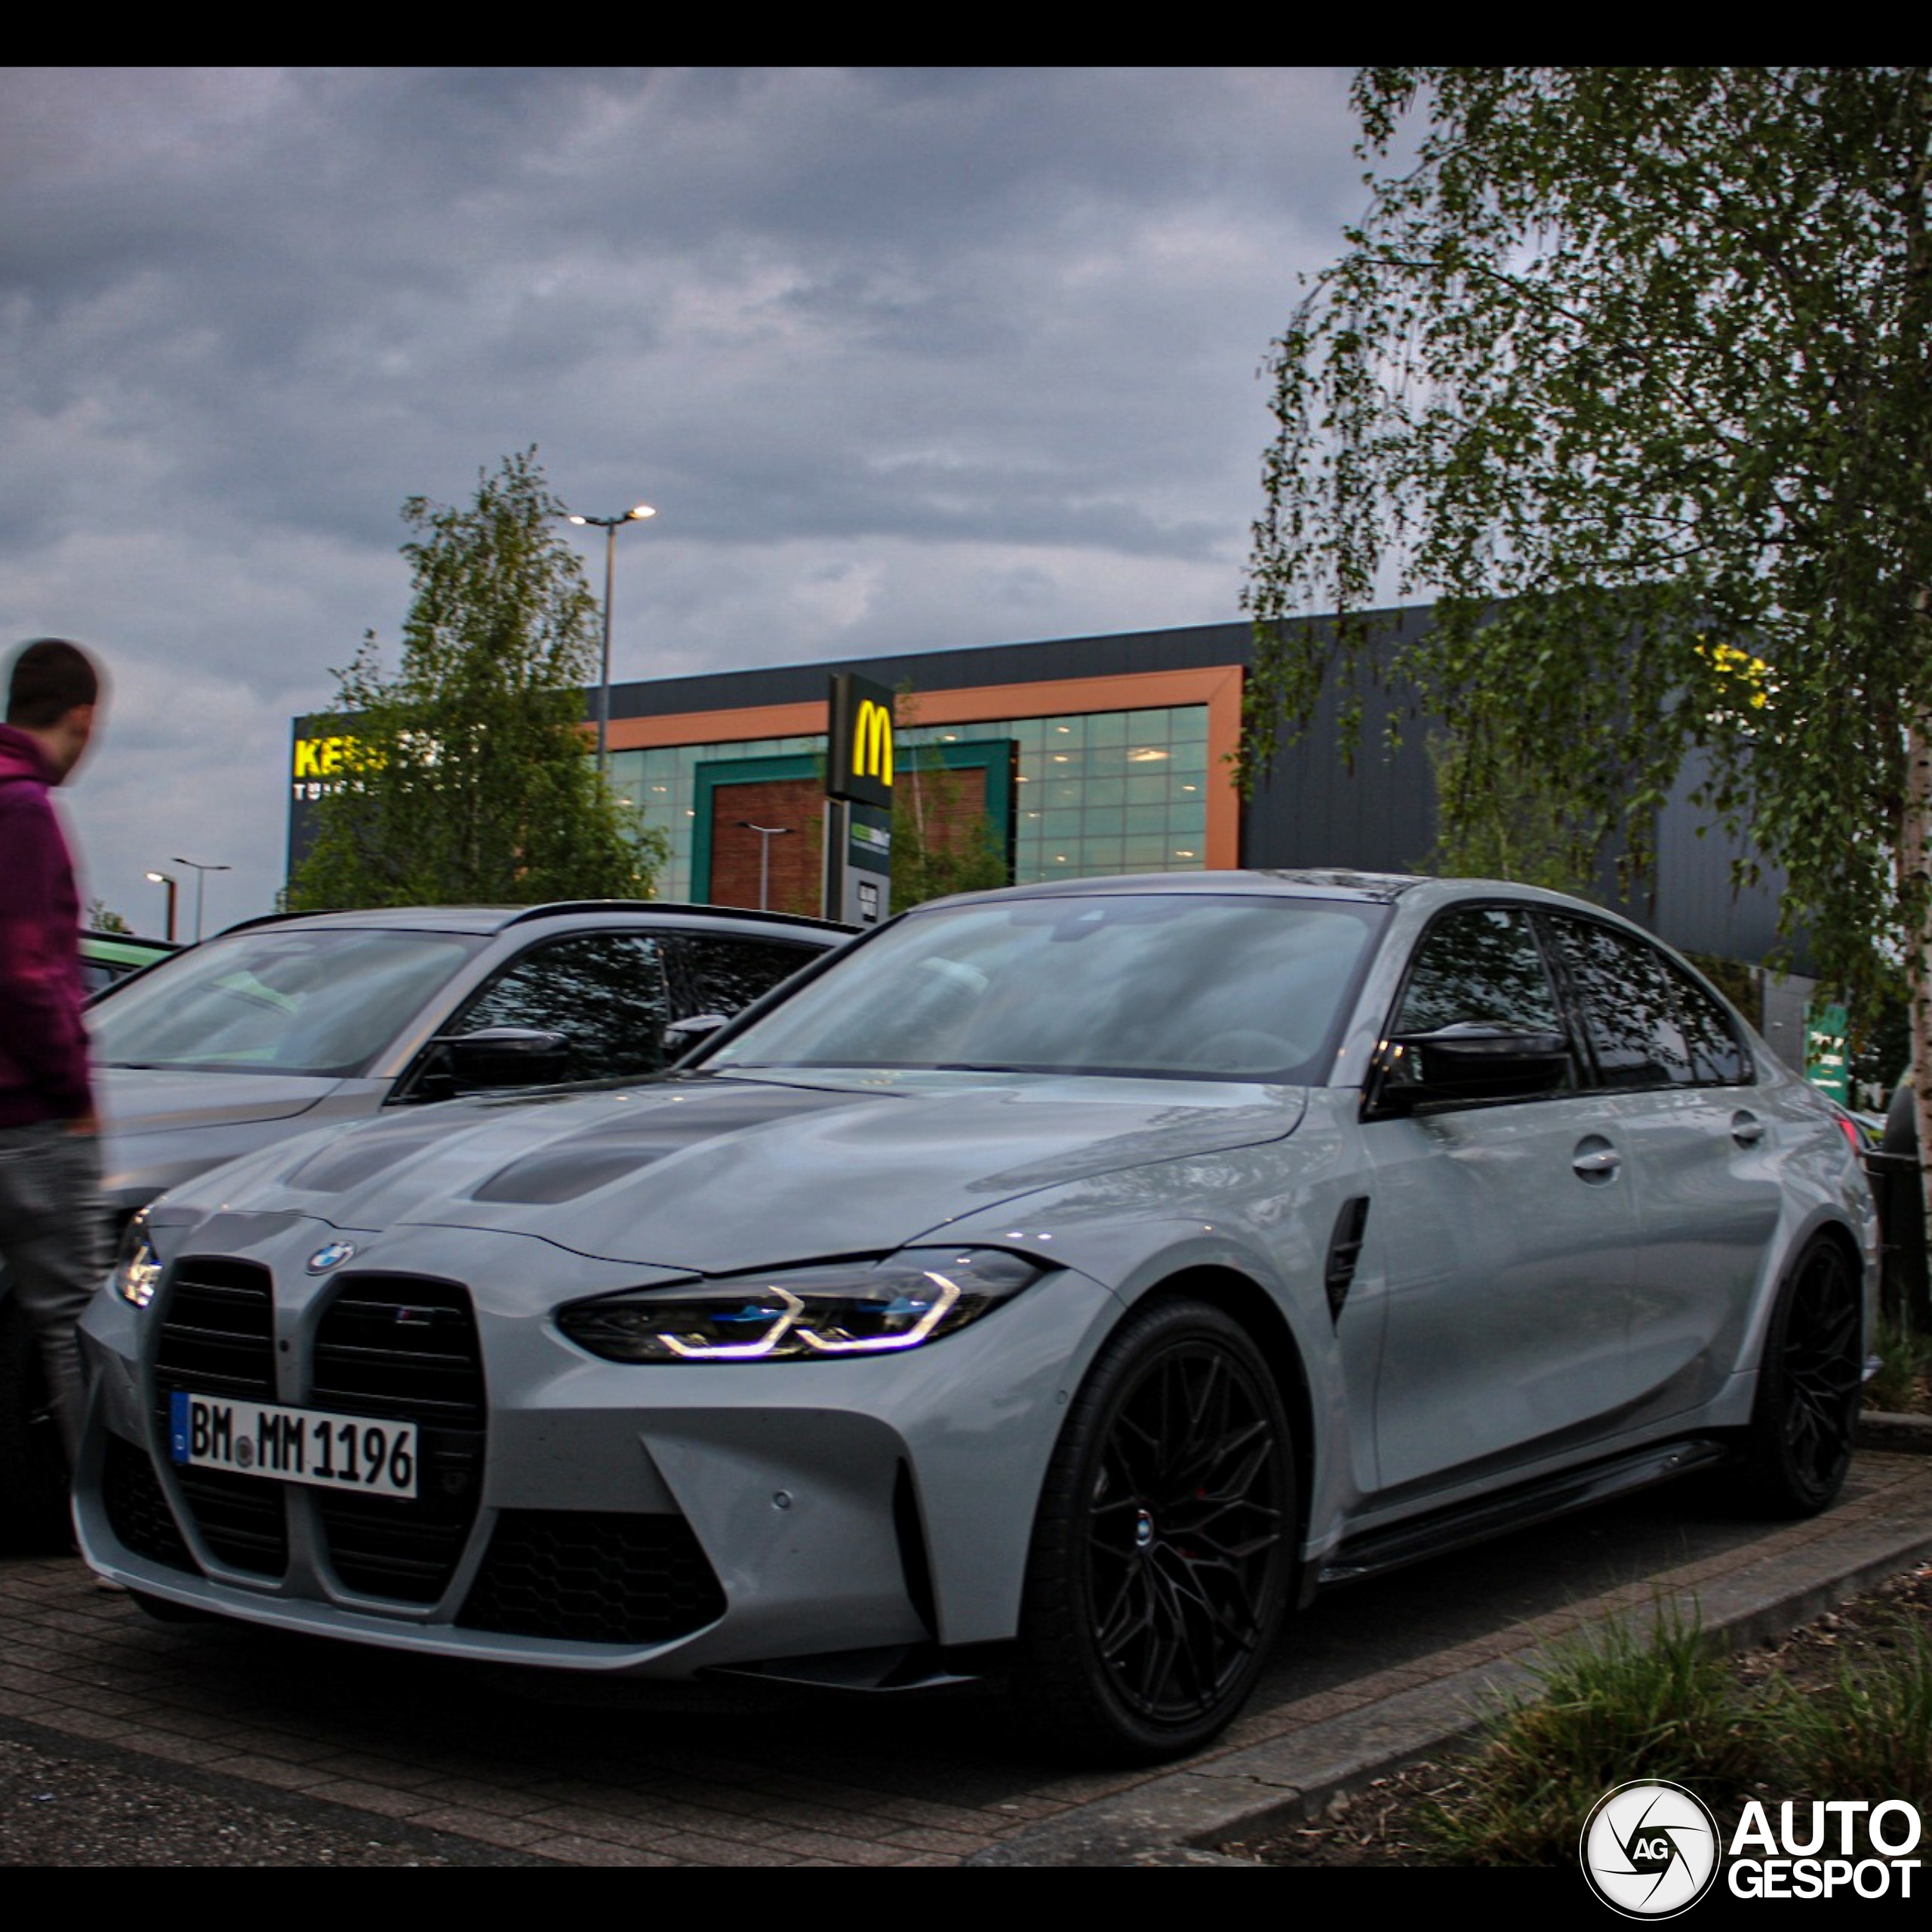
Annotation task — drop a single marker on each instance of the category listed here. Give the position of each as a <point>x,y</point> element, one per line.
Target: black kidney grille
<point>593,1577</point>
<point>243,1520</point>
<point>137,1510</point>
<point>217,1338</point>
<point>398,1346</point>
<point>405,1347</point>
<point>408,1547</point>
<point>217,1329</point>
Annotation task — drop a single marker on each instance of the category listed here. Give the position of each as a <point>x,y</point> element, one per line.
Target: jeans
<point>54,1239</point>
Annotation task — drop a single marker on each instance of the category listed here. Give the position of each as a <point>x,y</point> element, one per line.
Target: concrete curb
<point>1178,1818</point>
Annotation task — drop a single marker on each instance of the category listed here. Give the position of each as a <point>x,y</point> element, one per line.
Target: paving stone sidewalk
<point>295,1750</point>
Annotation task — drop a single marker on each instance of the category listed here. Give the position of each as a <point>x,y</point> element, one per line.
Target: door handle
<point>1596,1160</point>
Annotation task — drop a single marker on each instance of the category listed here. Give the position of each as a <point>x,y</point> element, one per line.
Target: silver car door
<point>1501,1231</point>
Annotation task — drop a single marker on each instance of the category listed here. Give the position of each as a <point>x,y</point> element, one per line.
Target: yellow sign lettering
<point>322,758</point>
<point>872,742</point>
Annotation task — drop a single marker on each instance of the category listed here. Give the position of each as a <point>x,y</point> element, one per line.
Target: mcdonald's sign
<point>859,749</point>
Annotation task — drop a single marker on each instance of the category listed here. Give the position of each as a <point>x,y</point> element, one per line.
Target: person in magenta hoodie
<point>53,1233</point>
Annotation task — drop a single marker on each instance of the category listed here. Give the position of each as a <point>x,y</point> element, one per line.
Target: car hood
<point>714,1174</point>
<point>140,1099</point>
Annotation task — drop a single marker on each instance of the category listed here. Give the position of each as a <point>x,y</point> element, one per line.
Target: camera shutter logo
<point>1649,1851</point>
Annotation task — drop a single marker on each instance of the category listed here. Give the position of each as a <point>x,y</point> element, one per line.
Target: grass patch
<point>1626,1703</point>
<point>1904,1369</point>
<point>1873,1736</point>
<point>1612,1705</point>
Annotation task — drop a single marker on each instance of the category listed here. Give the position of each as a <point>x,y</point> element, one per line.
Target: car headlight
<point>851,1308</point>
<point>137,1268</point>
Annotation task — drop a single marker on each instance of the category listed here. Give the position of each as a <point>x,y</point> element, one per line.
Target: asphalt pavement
<point>123,1741</point>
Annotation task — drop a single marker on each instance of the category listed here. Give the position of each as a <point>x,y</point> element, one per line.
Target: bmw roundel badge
<point>333,1256</point>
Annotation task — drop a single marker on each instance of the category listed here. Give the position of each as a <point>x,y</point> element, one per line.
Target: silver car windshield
<point>277,1001</point>
<point>1181,986</point>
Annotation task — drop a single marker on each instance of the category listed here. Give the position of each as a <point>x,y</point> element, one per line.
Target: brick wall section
<point>796,862</point>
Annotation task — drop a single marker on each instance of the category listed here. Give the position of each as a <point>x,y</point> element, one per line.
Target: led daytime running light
<point>742,1351</point>
<point>818,1312</point>
<point>912,1337</point>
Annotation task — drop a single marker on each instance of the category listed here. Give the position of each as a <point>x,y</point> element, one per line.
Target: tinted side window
<point>1629,1007</point>
<point>604,990</point>
<point>1717,1056</point>
<point>710,973</point>
<point>1478,967</point>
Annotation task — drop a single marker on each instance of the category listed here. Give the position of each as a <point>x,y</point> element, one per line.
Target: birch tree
<point>466,776</point>
<point>1626,369</point>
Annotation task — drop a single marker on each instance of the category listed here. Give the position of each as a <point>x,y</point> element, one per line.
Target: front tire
<point>1163,1550</point>
<point>1799,1446</point>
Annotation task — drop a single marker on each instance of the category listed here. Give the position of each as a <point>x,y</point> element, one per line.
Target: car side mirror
<point>1470,1060</point>
<point>682,1034</point>
<point>504,1057</point>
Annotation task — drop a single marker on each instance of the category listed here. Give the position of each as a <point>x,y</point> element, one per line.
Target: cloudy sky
<point>906,359</point>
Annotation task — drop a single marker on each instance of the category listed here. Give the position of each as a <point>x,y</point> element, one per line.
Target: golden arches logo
<point>872,742</point>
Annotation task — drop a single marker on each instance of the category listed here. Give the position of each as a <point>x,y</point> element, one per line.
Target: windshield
<point>277,1001</point>
<point>1181,986</point>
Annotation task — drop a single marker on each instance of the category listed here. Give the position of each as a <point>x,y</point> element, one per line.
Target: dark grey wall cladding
<point>1378,814</point>
<point>1129,651</point>
<point>1695,905</point>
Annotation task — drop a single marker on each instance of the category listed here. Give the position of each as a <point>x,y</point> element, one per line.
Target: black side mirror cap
<point>1471,1060</point>
<point>505,1057</point>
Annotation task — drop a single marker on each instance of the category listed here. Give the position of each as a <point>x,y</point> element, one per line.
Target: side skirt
<point>1390,1547</point>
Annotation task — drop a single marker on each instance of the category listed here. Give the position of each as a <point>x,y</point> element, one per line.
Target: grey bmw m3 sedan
<point>1056,1285</point>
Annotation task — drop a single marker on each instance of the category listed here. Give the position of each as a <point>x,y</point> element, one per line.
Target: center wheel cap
<point>1144,1529</point>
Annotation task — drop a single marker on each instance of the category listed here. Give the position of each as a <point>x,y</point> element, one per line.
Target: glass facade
<point>1100,792</point>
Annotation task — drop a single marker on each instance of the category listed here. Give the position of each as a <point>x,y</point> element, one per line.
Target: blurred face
<point>66,739</point>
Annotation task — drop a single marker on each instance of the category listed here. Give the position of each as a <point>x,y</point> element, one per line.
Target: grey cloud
<point>906,357</point>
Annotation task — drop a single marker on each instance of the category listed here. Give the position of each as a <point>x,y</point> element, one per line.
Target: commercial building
<point>1090,756</point>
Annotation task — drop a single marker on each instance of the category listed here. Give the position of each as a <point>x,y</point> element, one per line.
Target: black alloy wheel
<point>1799,1446</point>
<point>1164,1546</point>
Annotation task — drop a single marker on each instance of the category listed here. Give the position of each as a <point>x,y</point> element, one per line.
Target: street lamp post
<point>766,834</point>
<point>201,881</point>
<point>162,879</point>
<point>608,524</point>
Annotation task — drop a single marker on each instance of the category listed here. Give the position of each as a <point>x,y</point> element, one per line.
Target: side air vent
<point>1344,1253</point>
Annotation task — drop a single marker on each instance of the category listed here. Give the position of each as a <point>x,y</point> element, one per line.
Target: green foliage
<point>1611,1706</point>
<point>1627,369</point>
<point>938,847</point>
<point>1735,980</point>
<point>101,917</point>
<point>1875,1734</point>
<point>1497,819</point>
<point>468,777</point>
<point>1905,1367</point>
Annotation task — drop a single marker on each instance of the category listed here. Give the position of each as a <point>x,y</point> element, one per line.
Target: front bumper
<point>655,1521</point>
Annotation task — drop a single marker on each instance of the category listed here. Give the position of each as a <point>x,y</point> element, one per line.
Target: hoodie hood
<point>21,757</point>
<point>715,1174</point>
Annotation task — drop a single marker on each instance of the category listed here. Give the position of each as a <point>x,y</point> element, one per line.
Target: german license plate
<point>292,1445</point>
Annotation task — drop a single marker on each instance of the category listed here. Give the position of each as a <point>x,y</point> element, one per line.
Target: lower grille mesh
<point>137,1511</point>
<point>590,1576</point>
